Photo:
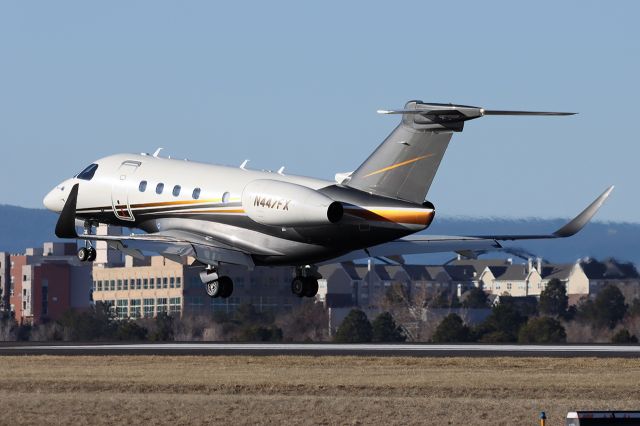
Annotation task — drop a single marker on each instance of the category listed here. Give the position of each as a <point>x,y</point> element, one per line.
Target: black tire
<point>226,286</point>
<point>92,254</point>
<point>298,286</point>
<point>213,288</point>
<point>311,287</point>
<point>83,254</point>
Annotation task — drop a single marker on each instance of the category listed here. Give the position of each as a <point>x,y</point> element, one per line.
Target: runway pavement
<point>311,349</point>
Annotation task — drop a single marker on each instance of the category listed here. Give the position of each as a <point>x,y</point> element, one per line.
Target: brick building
<point>43,283</point>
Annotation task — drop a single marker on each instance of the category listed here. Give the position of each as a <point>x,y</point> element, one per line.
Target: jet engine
<point>272,202</point>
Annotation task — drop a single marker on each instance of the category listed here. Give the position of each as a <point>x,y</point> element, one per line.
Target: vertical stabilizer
<point>404,165</point>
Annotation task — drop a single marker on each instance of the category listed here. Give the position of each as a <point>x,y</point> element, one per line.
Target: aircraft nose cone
<point>54,200</point>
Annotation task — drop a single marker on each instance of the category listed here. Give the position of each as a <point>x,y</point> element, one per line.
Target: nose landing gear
<point>87,253</point>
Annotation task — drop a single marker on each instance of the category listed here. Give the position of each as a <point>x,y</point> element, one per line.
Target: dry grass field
<point>309,390</point>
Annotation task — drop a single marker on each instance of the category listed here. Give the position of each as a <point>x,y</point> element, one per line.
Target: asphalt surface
<point>311,349</point>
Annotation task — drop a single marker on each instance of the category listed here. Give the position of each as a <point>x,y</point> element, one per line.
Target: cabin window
<point>143,186</point>
<point>176,190</point>
<point>225,197</point>
<point>159,188</point>
<point>87,173</point>
<point>196,193</point>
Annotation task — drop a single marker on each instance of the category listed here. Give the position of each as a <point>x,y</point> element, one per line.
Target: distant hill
<point>21,228</point>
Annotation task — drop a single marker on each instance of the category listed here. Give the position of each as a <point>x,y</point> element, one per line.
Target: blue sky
<point>298,84</point>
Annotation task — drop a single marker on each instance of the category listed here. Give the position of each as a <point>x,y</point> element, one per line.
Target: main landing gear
<point>215,285</point>
<point>87,253</point>
<point>305,284</point>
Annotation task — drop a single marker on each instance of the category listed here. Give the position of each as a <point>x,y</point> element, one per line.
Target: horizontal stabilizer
<point>433,116</point>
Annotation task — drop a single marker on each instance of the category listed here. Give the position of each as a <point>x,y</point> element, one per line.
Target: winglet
<point>66,225</point>
<point>583,218</point>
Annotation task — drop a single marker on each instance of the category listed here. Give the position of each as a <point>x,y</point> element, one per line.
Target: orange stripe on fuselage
<point>175,203</point>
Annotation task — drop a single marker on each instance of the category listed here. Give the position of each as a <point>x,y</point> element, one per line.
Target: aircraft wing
<point>175,246</point>
<point>418,244</point>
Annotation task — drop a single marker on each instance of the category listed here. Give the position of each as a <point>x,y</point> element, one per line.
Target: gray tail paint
<point>404,165</point>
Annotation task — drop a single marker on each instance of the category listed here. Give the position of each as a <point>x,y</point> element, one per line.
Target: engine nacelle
<point>272,202</point>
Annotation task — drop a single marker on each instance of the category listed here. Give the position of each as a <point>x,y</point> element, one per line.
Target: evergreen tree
<point>451,330</point>
<point>553,299</point>
<point>542,330</point>
<point>502,325</point>
<point>384,329</point>
<point>355,328</point>
<point>609,306</point>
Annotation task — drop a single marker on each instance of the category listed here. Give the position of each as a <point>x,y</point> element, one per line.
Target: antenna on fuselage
<point>281,170</point>
<point>244,164</point>
<point>157,153</point>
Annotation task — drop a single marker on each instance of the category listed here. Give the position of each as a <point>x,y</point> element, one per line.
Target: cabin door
<point>121,189</point>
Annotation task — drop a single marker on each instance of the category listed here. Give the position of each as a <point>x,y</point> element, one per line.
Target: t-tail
<point>405,164</point>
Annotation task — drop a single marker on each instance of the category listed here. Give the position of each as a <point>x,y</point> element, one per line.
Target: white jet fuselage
<point>276,218</point>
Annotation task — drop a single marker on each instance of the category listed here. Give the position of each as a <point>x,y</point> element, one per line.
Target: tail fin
<point>404,165</point>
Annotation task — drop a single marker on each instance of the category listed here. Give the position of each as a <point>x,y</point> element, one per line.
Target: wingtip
<point>579,222</point>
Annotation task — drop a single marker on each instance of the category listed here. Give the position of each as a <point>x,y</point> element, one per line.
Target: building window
<point>148,308</point>
<point>161,305</point>
<point>135,308</point>
<point>143,186</point>
<point>99,288</point>
<point>138,283</point>
<point>164,282</point>
<point>196,193</point>
<point>508,286</point>
<point>126,284</point>
<point>174,305</point>
<point>176,190</point>
<point>112,285</point>
<point>172,282</point>
<point>122,307</point>
<point>178,282</point>
<point>151,283</point>
<point>119,285</point>
<point>159,188</point>
<point>145,283</point>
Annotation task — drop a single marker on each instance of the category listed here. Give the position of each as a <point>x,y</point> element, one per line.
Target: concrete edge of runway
<point>321,349</point>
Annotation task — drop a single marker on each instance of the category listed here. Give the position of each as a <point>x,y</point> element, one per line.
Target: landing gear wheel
<point>92,254</point>
<point>226,286</point>
<point>83,254</point>
<point>213,288</point>
<point>298,286</point>
<point>311,286</point>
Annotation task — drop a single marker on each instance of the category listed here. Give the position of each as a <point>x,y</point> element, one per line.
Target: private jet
<point>217,215</point>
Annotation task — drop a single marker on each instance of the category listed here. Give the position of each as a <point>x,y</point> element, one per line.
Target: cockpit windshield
<point>87,174</point>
